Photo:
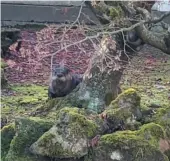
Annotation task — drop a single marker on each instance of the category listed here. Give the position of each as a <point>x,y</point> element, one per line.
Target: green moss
<point>48,109</point>
<point>152,132</point>
<point>23,100</point>
<point>127,140</point>
<point>125,108</point>
<point>27,132</point>
<point>120,136</point>
<point>115,12</point>
<point>3,64</point>
<point>72,110</point>
<point>31,90</point>
<point>122,114</point>
<point>7,134</point>
<point>68,137</point>
<point>128,97</point>
<point>161,112</point>
<point>79,124</point>
<point>130,145</point>
<point>162,118</point>
<point>3,78</point>
<point>57,150</point>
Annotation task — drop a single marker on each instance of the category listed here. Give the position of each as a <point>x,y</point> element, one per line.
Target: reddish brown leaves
<point>32,62</point>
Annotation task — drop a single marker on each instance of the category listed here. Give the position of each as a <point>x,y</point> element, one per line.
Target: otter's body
<point>133,41</point>
<point>62,82</point>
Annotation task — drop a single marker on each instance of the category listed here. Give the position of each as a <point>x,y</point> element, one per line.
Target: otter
<point>133,40</point>
<point>62,82</point>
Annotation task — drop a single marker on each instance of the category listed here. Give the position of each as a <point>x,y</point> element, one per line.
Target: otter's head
<point>132,36</point>
<point>60,74</point>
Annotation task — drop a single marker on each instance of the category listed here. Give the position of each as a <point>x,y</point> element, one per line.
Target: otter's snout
<point>59,78</point>
<point>59,75</point>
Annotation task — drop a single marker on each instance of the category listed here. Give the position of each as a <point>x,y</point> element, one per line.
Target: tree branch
<point>147,16</point>
<point>150,37</point>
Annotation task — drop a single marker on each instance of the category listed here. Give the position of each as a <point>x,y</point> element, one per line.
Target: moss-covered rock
<point>162,117</point>
<point>124,112</point>
<point>7,134</point>
<point>126,146</point>
<point>152,132</point>
<point>27,132</point>
<point>44,109</point>
<point>139,145</point>
<point>121,118</point>
<point>128,99</point>
<point>68,137</point>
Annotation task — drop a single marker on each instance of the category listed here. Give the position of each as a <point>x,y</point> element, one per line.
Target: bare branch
<point>77,19</point>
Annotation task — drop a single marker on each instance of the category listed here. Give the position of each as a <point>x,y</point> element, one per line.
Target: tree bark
<point>101,80</point>
<point>162,41</point>
<point>153,39</point>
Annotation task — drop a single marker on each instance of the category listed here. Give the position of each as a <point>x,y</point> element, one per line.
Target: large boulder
<point>28,130</point>
<point>124,112</point>
<point>126,146</point>
<point>7,134</point>
<point>128,99</point>
<point>68,138</point>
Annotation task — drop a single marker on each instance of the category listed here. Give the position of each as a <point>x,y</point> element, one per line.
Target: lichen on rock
<point>68,138</point>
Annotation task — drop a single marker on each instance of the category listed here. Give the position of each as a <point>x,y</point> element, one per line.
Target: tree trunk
<point>101,80</point>
<point>160,41</point>
<point>151,38</point>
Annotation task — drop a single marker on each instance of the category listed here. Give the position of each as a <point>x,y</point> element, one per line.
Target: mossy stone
<point>127,99</point>
<point>7,134</point>
<point>27,132</point>
<point>68,137</point>
<point>126,145</point>
<point>152,132</point>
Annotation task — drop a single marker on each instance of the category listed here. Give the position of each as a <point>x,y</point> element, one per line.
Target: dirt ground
<point>149,73</point>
